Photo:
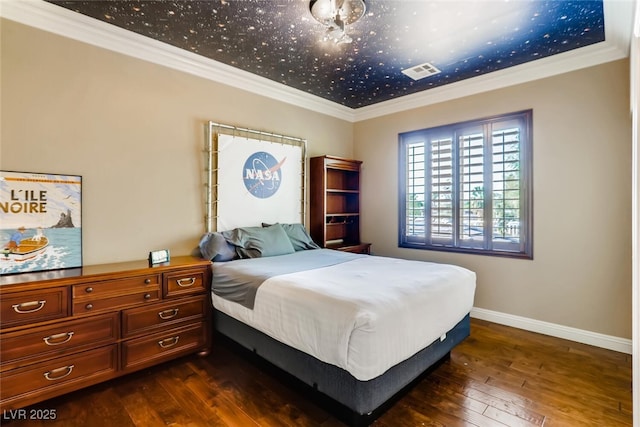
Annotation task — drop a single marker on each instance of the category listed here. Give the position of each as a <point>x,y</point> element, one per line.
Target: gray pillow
<point>298,236</point>
<point>215,247</point>
<point>256,242</point>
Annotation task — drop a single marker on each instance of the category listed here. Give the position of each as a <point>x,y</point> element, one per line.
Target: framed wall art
<point>40,222</point>
<point>254,177</point>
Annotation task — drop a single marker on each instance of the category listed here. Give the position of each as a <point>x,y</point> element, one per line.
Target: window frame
<point>453,133</point>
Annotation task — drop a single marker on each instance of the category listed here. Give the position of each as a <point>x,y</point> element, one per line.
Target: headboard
<point>253,177</point>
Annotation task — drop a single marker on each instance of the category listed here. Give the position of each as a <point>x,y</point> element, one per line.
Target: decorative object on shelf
<point>336,15</point>
<point>253,177</point>
<point>159,257</point>
<point>40,222</point>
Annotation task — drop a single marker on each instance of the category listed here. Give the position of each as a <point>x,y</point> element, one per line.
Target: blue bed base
<point>356,402</point>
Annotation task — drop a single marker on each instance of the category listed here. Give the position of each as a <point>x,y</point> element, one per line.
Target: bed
<point>356,328</point>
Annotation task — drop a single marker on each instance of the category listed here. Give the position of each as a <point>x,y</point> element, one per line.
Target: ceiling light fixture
<point>336,15</point>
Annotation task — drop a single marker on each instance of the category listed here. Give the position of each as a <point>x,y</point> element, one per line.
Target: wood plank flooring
<point>499,376</point>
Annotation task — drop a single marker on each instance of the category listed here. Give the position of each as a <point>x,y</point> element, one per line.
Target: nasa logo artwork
<point>262,174</point>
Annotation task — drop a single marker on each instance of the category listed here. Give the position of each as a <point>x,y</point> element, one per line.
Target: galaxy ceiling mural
<point>281,41</point>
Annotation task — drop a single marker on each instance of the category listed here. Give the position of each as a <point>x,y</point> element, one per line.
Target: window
<point>466,187</point>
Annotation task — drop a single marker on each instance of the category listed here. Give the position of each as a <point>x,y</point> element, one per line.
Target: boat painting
<point>40,222</point>
<point>59,252</point>
<point>28,249</point>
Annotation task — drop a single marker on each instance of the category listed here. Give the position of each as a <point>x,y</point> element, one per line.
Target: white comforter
<point>365,315</point>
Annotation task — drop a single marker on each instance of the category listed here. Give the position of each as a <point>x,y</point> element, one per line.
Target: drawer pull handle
<point>147,281</point>
<point>88,306</point>
<point>186,282</point>
<point>89,290</point>
<point>168,314</point>
<point>147,296</point>
<point>169,342</point>
<point>25,307</point>
<point>67,370</point>
<point>51,339</point>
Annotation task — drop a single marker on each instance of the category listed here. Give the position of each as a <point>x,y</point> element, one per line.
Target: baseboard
<point>609,342</point>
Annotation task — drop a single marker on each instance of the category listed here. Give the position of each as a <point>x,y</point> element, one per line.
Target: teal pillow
<point>256,242</point>
<point>298,236</point>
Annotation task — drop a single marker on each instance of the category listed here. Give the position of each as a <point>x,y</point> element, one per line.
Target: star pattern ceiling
<point>281,41</point>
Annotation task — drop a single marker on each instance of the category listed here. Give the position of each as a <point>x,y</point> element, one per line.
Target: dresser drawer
<point>165,345</point>
<point>25,307</point>
<point>62,337</point>
<point>69,372</point>
<point>145,319</point>
<point>108,287</point>
<point>184,282</point>
<point>94,305</point>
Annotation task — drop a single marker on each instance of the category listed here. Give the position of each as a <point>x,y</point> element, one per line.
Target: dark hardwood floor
<point>499,376</point>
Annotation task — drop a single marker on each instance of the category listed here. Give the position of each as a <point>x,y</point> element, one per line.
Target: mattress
<point>364,315</point>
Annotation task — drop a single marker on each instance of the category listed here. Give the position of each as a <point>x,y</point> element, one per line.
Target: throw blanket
<point>239,280</point>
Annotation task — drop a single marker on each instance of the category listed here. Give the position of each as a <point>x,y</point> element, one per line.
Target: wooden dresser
<point>64,330</point>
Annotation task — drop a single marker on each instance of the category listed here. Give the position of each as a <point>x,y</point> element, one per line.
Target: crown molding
<point>535,70</point>
<point>618,30</point>
<point>58,20</point>
<point>49,17</point>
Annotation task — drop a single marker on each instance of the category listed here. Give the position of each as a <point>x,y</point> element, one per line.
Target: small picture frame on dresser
<point>159,257</point>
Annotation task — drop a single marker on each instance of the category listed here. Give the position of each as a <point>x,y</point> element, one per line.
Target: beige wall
<point>581,273</point>
<point>134,131</point>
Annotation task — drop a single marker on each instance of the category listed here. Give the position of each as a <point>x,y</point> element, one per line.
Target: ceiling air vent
<point>421,71</point>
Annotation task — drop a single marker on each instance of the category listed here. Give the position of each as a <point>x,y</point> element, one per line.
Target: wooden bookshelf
<point>335,203</point>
